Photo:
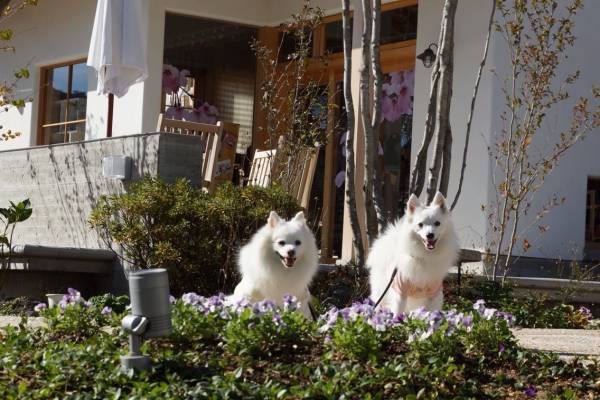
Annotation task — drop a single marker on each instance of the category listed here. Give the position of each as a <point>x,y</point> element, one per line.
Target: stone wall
<point>64,182</point>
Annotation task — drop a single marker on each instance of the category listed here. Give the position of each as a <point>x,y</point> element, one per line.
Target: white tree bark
<point>444,97</point>
<point>357,242</point>
<point>376,122</point>
<point>365,109</point>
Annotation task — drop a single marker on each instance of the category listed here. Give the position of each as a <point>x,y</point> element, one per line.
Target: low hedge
<point>219,351</point>
<point>178,227</point>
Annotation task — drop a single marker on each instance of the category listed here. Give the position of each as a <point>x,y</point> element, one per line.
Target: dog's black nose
<point>291,253</point>
<point>430,236</point>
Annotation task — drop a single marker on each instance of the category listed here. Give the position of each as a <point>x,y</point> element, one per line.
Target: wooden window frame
<point>593,209</point>
<point>43,88</point>
<point>320,31</point>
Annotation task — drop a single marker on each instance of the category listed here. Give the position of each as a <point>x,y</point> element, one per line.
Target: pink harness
<point>406,288</point>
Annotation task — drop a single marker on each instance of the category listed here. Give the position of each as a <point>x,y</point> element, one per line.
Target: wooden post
<point>329,175</point>
<point>109,116</point>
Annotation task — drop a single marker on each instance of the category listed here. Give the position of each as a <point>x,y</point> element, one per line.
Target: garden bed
<point>259,351</point>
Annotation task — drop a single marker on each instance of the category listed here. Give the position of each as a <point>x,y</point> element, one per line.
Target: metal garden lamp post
<point>150,314</point>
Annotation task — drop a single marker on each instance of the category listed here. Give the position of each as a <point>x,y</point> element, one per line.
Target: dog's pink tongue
<point>431,244</point>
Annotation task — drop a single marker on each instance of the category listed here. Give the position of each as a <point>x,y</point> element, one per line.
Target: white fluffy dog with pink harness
<point>422,247</point>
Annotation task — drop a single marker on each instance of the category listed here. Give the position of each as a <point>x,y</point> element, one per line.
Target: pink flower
<point>175,112</point>
<point>340,178</point>
<point>398,95</point>
<point>170,80</point>
<point>183,75</point>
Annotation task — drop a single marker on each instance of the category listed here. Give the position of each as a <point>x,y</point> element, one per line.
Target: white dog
<point>281,258</point>
<point>422,246</point>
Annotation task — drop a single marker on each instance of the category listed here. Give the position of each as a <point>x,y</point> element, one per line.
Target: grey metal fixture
<point>150,314</point>
<point>116,167</point>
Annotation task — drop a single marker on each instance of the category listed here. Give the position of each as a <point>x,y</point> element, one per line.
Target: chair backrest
<point>301,184</point>
<point>267,165</point>
<point>262,167</point>
<point>212,136</point>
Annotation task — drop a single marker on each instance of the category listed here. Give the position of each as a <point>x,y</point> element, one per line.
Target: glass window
<point>64,93</point>
<point>397,25</point>
<point>592,220</point>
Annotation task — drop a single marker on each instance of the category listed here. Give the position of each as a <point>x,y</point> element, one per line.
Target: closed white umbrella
<point>118,48</point>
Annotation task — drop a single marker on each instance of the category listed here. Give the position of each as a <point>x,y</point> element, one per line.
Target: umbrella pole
<point>109,117</point>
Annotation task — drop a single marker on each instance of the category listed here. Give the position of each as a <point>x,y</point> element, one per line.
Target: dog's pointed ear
<point>439,201</point>
<point>299,217</point>
<point>273,220</point>
<point>412,204</point>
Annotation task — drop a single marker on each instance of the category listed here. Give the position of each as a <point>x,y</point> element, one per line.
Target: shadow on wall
<point>65,181</point>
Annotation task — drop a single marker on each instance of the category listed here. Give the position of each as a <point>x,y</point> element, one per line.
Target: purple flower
<point>290,303</point>
<point>106,310</point>
<point>501,348</point>
<point>420,313</point>
<point>172,299</point>
<point>39,307</point>
<point>586,313</point>
<point>87,304</point>
<point>479,306</point>
<point>190,298</point>
<point>74,293</point>
<point>489,313</point>
<point>277,320</point>
<point>265,306</point>
<point>467,322</point>
<point>531,391</point>
<point>379,323</point>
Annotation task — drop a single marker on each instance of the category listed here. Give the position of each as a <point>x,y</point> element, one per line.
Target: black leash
<point>387,287</point>
<point>313,314</point>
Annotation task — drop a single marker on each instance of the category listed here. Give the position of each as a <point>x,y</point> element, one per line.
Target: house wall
<point>565,238</point>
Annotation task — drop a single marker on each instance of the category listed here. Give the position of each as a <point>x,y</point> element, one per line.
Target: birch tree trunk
<point>357,242</point>
<point>443,130</point>
<point>376,122</point>
<point>365,110</point>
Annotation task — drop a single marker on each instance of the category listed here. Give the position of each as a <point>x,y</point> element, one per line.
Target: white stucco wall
<point>566,236</point>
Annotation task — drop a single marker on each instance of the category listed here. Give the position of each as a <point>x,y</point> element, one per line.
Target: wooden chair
<point>262,166</point>
<point>267,164</point>
<point>212,137</point>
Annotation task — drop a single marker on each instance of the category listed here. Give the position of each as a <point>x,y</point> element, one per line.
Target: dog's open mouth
<point>430,243</point>
<point>288,262</point>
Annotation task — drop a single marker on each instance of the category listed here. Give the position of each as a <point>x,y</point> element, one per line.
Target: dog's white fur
<point>281,258</point>
<point>420,260</point>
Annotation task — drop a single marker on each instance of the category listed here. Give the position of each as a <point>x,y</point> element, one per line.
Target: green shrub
<point>178,227</point>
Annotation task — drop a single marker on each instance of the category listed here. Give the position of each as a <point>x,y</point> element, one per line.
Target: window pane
<point>290,45</point>
<point>57,85</point>
<point>78,97</point>
<point>334,37</point>
<point>399,24</point>
<point>76,132</point>
<point>54,134</point>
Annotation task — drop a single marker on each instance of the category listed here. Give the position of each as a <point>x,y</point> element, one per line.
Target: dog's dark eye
<point>437,223</point>
<point>298,243</point>
<point>281,243</point>
<point>420,224</point>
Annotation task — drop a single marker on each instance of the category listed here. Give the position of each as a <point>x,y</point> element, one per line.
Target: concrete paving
<point>567,343</point>
<point>35,322</point>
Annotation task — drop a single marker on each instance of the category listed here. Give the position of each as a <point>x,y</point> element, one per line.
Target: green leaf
<point>6,34</point>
